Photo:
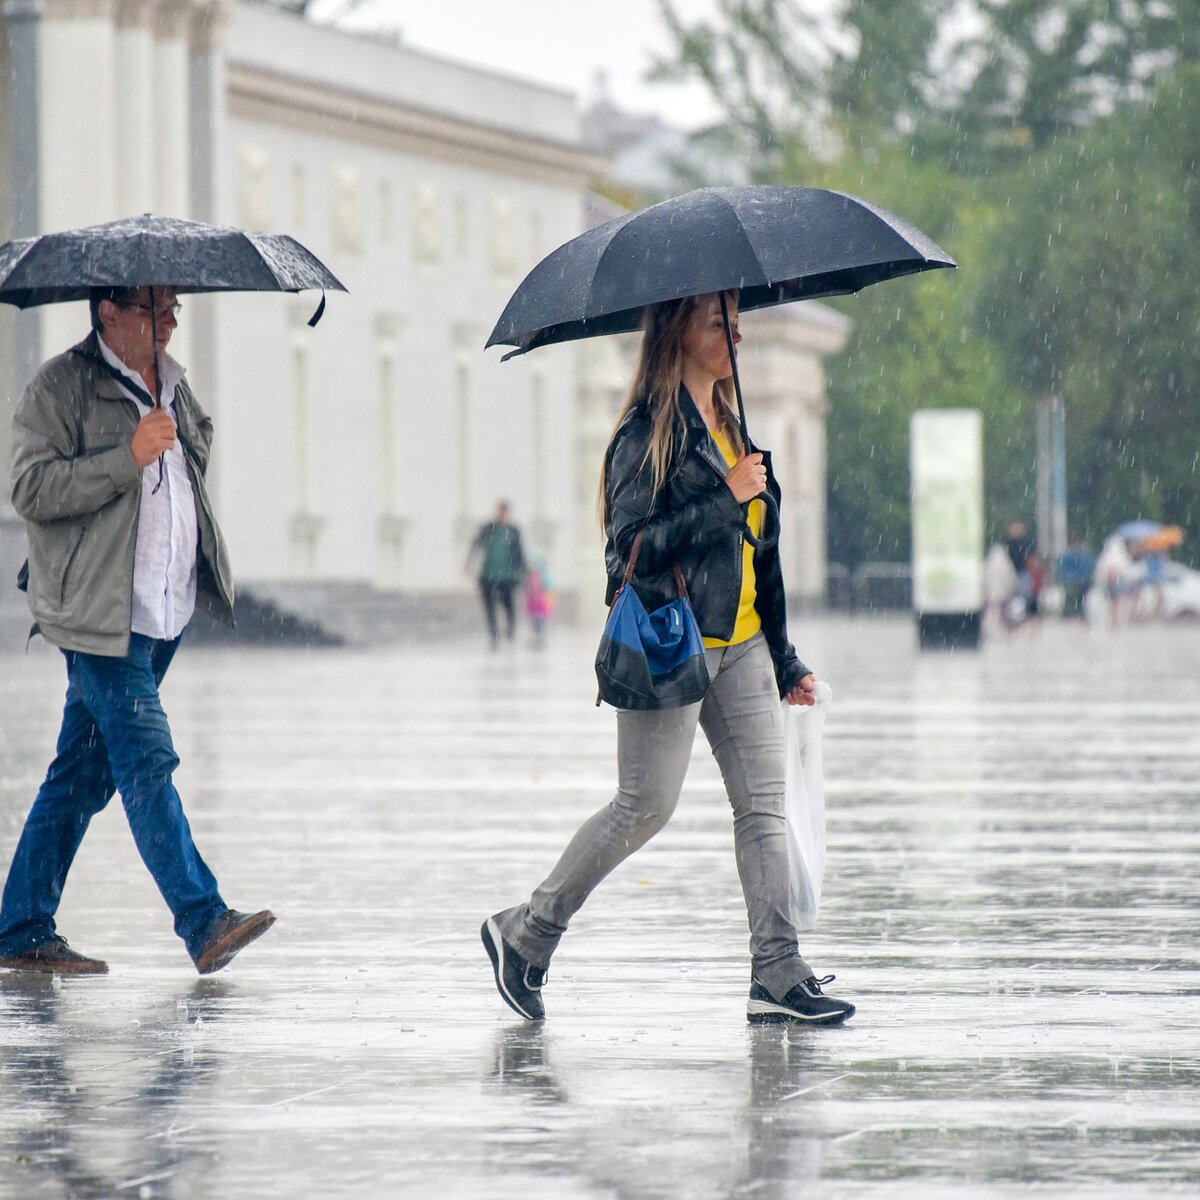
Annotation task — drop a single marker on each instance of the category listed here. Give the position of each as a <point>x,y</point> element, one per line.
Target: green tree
<point>972,84</point>
<point>1042,68</point>
<point>1095,293</point>
<point>916,345</point>
<point>788,75</point>
<point>1044,145</point>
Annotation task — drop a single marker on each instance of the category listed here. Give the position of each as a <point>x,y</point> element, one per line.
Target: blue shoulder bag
<point>650,660</point>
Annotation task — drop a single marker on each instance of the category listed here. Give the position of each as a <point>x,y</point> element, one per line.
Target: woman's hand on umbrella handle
<point>747,478</point>
<point>770,522</point>
<point>802,693</point>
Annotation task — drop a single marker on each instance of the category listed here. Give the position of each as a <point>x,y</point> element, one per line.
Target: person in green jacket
<point>502,567</point>
<point>123,547</point>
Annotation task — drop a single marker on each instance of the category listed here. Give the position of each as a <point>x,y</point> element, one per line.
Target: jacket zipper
<point>707,455</point>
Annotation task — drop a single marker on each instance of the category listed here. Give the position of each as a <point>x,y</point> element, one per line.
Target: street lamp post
<point>1051,480</point>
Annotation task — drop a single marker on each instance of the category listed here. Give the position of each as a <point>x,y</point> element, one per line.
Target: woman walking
<point>676,471</point>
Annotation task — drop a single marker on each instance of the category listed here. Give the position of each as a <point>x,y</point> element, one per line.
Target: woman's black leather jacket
<point>695,522</point>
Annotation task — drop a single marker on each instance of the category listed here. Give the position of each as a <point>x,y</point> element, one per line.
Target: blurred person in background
<point>1074,570</point>
<point>1019,543</point>
<point>539,600</point>
<point>501,558</point>
<point>1150,584</point>
<point>1113,577</point>
<point>999,589</point>
<point>1035,584</point>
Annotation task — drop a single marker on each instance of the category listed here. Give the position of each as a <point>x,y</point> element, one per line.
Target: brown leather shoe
<point>232,932</point>
<point>54,957</point>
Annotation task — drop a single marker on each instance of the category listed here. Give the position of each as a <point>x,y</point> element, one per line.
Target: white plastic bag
<point>804,803</point>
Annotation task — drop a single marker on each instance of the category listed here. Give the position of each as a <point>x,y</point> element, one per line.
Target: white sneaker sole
<point>494,945</point>
<point>763,1012</point>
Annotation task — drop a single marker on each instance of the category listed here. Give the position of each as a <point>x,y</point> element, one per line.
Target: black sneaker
<point>54,957</point>
<point>518,982</point>
<point>805,1002</point>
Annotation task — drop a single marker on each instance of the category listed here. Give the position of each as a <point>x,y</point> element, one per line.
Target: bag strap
<point>632,566</point>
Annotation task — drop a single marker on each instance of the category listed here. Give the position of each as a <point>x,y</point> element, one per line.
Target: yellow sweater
<point>748,621</point>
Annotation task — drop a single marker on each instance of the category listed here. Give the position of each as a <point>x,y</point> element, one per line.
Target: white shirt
<point>164,559</point>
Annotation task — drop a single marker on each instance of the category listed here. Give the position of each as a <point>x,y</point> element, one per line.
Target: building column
<point>206,107</point>
<point>605,366</point>
<point>82,111</point>
<point>392,521</point>
<point>133,76</point>
<point>466,338</point>
<point>785,386</point>
<point>169,110</point>
<point>22,161</point>
<point>206,143</point>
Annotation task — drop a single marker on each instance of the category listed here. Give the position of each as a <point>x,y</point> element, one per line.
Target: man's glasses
<point>161,311</point>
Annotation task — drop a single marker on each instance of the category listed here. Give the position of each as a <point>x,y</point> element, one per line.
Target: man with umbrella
<point>110,450</point>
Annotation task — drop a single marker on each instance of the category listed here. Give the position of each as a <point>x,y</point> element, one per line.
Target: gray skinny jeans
<point>743,722</point>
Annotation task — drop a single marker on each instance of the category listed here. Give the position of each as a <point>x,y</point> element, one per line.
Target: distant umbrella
<point>1145,536</point>
<point>1136,531</point>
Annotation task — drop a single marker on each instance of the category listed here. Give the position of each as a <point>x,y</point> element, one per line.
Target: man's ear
<point>107,311</point>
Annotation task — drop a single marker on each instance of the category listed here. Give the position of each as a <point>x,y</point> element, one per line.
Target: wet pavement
<point>1011,900</point>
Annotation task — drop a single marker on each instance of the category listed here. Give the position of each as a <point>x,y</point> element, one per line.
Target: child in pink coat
<point>539,601</point>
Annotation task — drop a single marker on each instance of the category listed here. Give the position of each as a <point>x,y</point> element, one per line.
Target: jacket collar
<point>691,414</point>
<point>104,385</point>
<point>701,438</point>
<point>695,429</point>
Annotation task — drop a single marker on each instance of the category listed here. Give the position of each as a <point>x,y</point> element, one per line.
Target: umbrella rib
<point>625,221</point>
<point>612,242</point>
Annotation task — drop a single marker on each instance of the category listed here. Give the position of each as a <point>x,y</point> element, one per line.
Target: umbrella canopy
<point>1137,531</point>
<point>1166,538</point>
<point>1144,536</point>
<point>774,244</point>
<point>188,256</point>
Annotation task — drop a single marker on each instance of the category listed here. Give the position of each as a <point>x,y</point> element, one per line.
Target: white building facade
<point>368,450</point>
<point>371,447</point>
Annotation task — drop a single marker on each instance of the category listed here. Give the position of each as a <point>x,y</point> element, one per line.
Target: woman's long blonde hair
<point>656,382</point>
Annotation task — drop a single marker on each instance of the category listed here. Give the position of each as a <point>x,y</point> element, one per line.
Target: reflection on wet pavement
<point>1011,901</point>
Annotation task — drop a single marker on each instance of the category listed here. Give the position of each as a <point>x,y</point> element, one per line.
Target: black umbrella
<point>150,251</point>
<point>773,244</point>
<point>188,256</point>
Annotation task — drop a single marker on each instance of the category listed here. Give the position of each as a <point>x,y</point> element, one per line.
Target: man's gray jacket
<point>76,483</point>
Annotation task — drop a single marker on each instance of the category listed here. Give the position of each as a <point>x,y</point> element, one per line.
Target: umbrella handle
<point>770,534</point>
<point>157,382</point>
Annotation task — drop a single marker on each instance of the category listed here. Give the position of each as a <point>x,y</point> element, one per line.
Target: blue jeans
<point>114,737</point>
